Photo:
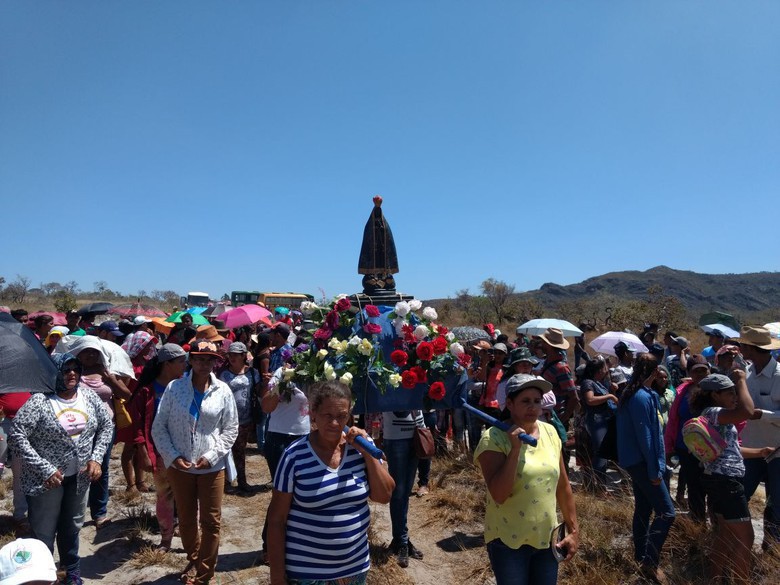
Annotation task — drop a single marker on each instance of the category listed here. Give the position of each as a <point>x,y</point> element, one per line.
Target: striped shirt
<point>327,526</point>
<point>401,425</point>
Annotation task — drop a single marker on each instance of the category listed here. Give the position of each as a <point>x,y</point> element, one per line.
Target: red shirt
<point>10,403</point>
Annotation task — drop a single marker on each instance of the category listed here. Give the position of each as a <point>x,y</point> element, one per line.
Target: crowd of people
<point>186,401</point>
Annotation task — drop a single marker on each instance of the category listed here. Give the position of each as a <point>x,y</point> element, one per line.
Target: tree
<point>51,288</point>
<point>498,294</point>
<point>475,309</point>
<point>18,289</point>
<point>64,301</point>
<point>71,287</point>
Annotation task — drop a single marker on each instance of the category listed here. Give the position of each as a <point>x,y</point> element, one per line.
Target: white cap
<point>140,320</point>
<point>26,560</point>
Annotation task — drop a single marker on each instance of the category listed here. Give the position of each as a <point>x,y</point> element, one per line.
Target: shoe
<point>403,556</point>
<point>164,546</point>
<point>73,578</point>
<point>101,522</point>
<point>414,552</point>
<point>653,574</point>
<point>145,489</point>
<point>422,491</point>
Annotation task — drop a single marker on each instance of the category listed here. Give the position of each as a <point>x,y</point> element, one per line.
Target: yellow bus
<point>291,300</point>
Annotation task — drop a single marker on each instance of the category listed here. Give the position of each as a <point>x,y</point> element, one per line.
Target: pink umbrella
<point>59,318</point>
<point>245,315</point>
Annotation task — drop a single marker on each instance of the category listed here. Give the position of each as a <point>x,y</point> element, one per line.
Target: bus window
<point>244,297</point>
<point>290,300</point>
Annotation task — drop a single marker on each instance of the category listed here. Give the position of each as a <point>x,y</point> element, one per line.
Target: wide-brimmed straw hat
<point>204,347</point>
<point>555,338</point>
<point>482,345</point>
<point>208,332</point>
<point>759,337</point>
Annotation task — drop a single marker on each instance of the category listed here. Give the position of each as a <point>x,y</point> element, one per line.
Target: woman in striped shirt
<point>319,516</point>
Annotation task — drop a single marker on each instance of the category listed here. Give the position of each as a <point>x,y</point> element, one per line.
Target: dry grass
<point>148,556</point>
<point>384,569</point>
<point>142,520</point>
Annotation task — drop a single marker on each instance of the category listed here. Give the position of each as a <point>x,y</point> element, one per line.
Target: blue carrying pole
<point>524,437</point>
<point>375,451</point>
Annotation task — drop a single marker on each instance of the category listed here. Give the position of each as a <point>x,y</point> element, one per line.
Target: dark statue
<point>378,259</point>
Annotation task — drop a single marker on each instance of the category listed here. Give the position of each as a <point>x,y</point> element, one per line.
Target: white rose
<point>415,305</point>
<point>450,336</point>
<point>456,349</point>
<point>366,347</point>
<point>399,323</point>
<point>288,374</point>
<point>346,379</point>
<point>430,313</point>
<point>421,332</point>
<point>330,373</point>
<point>354,341</point>
<point>402,308</point>
<point>334,343</point>
<point>307,308</point>
<point>322,354</point>
<point>394,380</point>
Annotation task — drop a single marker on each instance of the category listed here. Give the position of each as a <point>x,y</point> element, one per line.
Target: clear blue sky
<point>237,145</point>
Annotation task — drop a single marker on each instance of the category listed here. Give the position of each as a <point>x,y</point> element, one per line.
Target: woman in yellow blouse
<point>524,483</point>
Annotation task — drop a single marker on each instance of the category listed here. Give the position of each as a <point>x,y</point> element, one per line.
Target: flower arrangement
<point>351,343</point>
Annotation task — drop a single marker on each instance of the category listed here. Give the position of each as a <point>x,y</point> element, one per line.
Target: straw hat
<point>208,332</point>
<point>555,338</point>
<point>759,337</point>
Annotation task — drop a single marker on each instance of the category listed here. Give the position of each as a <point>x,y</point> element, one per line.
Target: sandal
<point>144,488</point>
<point>164,547</point>
<point>188,574</point>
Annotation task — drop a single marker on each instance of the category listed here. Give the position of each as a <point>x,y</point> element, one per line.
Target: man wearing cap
<point>141,323</point>
<point>717,339</point>
<point>677,360</point>
<point>73,321</point>
<point>557,372</point>
<point>625,356</point>
<point>763,381</point>
<point>110,331</point>
<point>520,361</point>
<point>27,561</point>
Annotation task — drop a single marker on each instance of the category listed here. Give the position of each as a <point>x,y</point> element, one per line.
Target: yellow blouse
<point>528,515</point>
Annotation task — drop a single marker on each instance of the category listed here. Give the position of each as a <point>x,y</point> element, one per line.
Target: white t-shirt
<point>72,416</point>
<point>291,418</point>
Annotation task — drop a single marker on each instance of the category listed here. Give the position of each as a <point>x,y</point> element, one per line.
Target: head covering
<point>282,329</point>
<point>555,338</point>
<point>482,345</point>
<point>521,354</point>
<point>60,360</point>
<point>500,347</point>
<point>520,382</point>
<point>759,337</point>
<point>681,341</point>
<point>282,310</point>
<point>140,320</point>
<point>622,346</point>
<point>208,332</point>
<point>203,347</point>
<point>26,560</point>
<point>237,347</point>
<point>716,383</point>
<point>79,344</point>
<point>137,343</point>
<point>170,351</point>
<point>697,361</point>
<point>111,327</point>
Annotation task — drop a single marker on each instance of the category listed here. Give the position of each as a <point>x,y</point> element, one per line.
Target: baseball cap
<point>520,382</point>
<point>169,351</point>
<point>681,341</point>
<point>237,347</point>
<point>140,320</point>
<point>111,327</point>
<point>716,383</point>
<point>25,560</point>
<point>697,361</point>
<point>282,329</point>
<point>622,346</point>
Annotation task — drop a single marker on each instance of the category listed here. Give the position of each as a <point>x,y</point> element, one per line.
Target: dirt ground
<point>122,551</point>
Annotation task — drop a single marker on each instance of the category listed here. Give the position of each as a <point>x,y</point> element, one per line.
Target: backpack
<point>703,439</point>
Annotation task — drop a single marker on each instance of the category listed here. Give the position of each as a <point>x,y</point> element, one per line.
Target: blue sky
<point>237,145</point>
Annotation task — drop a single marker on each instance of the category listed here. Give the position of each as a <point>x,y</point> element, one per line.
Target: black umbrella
<point>468,334</point>
<point>95,309</point>
<point>24,364</point>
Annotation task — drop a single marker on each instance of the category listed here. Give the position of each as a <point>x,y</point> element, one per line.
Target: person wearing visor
<point>524,483</point>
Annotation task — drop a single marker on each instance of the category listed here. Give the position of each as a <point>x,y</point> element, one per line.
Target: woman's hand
<point>54,481</point>
<point>514,436</point>
<point>613,398</point>
<point>181,464</point>
<point>571,543</point>
<point>202,463</point>
<point>357,432</point>
<point>93,470</point>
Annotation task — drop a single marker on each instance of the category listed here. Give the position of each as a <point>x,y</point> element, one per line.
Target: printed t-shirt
<point>241,386</point>
<point>730,462</point>
<point>528,515</point>
<point>72,416</point>
<point>327,526</point>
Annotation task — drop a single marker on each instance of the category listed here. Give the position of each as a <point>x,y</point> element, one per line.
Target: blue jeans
<point>98,490</point>
<point>649,537</point>
<point>597,426</point>
<point>261,429</point>
<point>523,566</point>
<point>402,465</point>
<point>59,512</point>
<point>756,471</point>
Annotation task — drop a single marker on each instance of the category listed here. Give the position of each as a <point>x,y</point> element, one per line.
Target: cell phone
<point>557,535</point>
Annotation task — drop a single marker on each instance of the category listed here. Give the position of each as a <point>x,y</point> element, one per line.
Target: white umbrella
<point>539,326</point>
<point>774,328</point>
<point>605,343</point>
<point>727,331</point>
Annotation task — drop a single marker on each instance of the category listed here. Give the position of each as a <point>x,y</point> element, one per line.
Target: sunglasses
<point>69,369</point>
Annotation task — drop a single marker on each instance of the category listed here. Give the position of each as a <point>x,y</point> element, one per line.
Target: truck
<point>195,299</point>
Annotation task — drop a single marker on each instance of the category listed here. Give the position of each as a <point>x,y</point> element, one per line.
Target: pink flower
<point>372,328</point>
<point>372,311</point>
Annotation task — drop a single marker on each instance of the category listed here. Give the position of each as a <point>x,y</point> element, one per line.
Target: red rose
<point>420,374</point>
<point>372,328</point>
<point>409,334</point>
<point>440,345</point>
<point>442,330</point>
<point>425,351</point>
<point>332,320</point>
<point>398,343</point>
<point>399,358</point>
<point>408,379</point>
<point>323,333</point>
<point>464,360</point>
<point>343,304</point>
<point>372,311</point>
<point>437,391</point>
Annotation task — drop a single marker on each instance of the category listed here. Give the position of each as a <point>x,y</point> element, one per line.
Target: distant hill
<point>699,293</point>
